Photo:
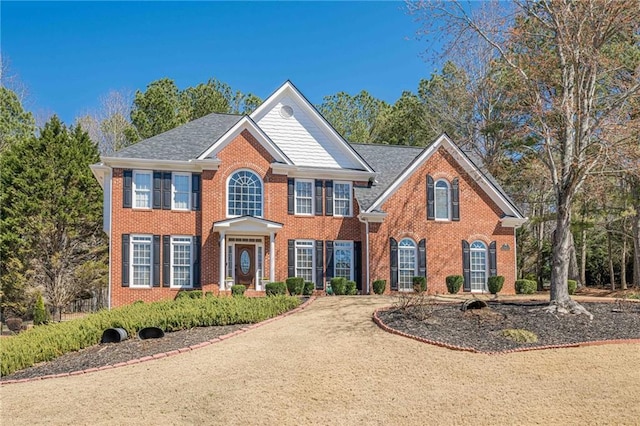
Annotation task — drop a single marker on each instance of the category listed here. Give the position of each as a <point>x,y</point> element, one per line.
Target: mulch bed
<point>481,329</point>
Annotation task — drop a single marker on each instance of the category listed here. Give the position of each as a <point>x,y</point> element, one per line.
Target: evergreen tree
<point>15,123</point>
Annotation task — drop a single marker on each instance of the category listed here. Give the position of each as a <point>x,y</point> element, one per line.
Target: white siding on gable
<point>302,140</point>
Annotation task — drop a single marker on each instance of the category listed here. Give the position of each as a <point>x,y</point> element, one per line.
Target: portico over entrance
<point>242,251</point>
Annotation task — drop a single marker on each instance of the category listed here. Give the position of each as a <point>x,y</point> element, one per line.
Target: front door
<point>245,265</point>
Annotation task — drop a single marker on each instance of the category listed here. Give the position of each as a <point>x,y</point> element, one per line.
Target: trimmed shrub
<point>419,284</point>
<point>189,294</point>
<point>573,285</point>
<point>351,288</point>
<point>238,290</point>
<point>495,284</point>
<point>40,313</point>
<point>14,324</point>
<point>308,288</point>
<point>295,285</point>
<point>454,282</point>
<point>339,285</point>
<point>526,286</point>
<point>140,302</point>
<point>379,286</point>
<point>276,288</point>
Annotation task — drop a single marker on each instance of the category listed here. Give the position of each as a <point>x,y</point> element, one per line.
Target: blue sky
<point>68,54</point>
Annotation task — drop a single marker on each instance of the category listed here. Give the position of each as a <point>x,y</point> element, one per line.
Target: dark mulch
<point>481,329</point>
<point>114,353</point>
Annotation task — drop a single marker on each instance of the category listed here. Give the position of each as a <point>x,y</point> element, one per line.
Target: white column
<point>272,257</point>
<point>223,253</point>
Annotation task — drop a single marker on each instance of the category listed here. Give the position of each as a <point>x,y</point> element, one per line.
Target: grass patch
<point>519,335</point>
<point>46,342</point>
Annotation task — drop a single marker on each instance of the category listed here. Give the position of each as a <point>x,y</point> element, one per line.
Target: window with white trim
<point>142,189</point>
<point>244,194</point>
<point>181,191</point>
<point>305,260</point>
<point>304,197</point>
<point>478,266</point>
<point>343,259</point>
<point>407,264</point>
<point>181,264</point>
<point>442,200</point>
<point>342,199</point>
<point>141,257</point>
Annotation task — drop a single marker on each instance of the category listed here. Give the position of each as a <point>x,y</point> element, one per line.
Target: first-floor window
<point>343,259</point>
<point>181,262</point>
<point>478,266</point>
<point>141,260</point>
<point>304,260</point>
<point>406,264</point>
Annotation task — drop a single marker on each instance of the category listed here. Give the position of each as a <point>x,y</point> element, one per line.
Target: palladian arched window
<point>244,194</point>
<point>478,265</point>
<point>406,264</point>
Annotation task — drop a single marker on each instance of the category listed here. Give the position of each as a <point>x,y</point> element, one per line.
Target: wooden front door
<point>245,265</point>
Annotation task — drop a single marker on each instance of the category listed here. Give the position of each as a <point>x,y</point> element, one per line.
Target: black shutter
<point>455,199</point>
<point>319,265</point>
<point>430,199</point>
<point>393,263</point>
<point>166,261</point>
<point>291,196</point>
<point>466,265</point>
<point>291,258</point>
<point>196,262</point>
<point>125,260</point>
<point>318,198</point>
<point>156,260</point>
<point>422,258</point>
<point>328,194</point>
<point>157,190</point>
<point>196,180</point>
<point>357,264</point>
<point>493,265</point>
<point>127,178</point>
<point>329,259</point>
<point>166,191</point>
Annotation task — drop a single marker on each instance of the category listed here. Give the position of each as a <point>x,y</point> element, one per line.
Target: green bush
<point>47,342</point>
<point>40,313</point>
<point>276,288</point>
<point>238,290</point>
<point>454,282</point>
<point>379,286</point>
<point>139,302</point>
<point>573,285</point>
<point>351,288</point>
<point>526,287</point>
<point>495,284</point>
<point>308,288</point>
<point>189,294</point>
<point>295,285</point>
<point>339,285</point>
<point>419,284</point>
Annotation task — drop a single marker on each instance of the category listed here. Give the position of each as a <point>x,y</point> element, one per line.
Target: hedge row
<point>46,342</point>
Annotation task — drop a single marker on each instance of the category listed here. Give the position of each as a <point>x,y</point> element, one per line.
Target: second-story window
<point>304,197</point>
<point>342,199</point>
<point>442,200</point>
<point>181,191</point>
<point>244,194</point>
<point>142,189</point>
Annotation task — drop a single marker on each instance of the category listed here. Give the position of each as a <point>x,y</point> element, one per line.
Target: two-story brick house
<point>231,199</point>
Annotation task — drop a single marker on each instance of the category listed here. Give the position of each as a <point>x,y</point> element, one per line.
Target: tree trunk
<point>623,264</point>
<point>574,272</point>
<point>612,276</point>
<point>635,226</point>
<point>583,257</point>
<point>539,246</point>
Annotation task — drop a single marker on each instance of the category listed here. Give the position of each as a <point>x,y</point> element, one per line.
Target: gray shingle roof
<point>182,143</point>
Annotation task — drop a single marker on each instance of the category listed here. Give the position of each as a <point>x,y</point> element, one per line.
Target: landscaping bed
<point>481,330</point>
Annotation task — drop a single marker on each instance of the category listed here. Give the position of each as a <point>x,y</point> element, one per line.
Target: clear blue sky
<point>68,54</point>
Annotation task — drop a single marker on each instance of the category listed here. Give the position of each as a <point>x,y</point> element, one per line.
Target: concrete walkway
<point>329,364</point>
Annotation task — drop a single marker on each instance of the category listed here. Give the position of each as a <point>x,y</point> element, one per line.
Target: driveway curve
<point>330,364</point>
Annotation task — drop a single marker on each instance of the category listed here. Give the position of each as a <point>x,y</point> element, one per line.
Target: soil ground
<point>330,364</point>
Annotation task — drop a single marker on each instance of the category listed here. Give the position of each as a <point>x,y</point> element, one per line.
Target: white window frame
<point>227,209</point>
<point>182,240</point>
<point>306,244</point>
<point>475,249</point>
<point>174,191</point>
<point>435,200</point>
<point>401,249</point>
<point>311,198</point>
<point>140,239</point>
<point>343,245</point>
<point>349,184</point>
<point>135,189</point>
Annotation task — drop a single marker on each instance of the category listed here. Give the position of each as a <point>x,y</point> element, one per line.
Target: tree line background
<point>546,97</point>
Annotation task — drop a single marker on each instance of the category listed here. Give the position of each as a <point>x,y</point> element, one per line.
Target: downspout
<point>110,235</point>
<point>366,227</point>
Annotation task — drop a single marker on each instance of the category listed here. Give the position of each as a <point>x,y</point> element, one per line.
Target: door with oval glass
<point>245,265</point>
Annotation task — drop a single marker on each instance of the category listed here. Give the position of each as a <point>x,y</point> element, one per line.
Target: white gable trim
<point>321,172</point>
<point>246,123</point>
<point>288,89</point>
<point>444,141</point>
